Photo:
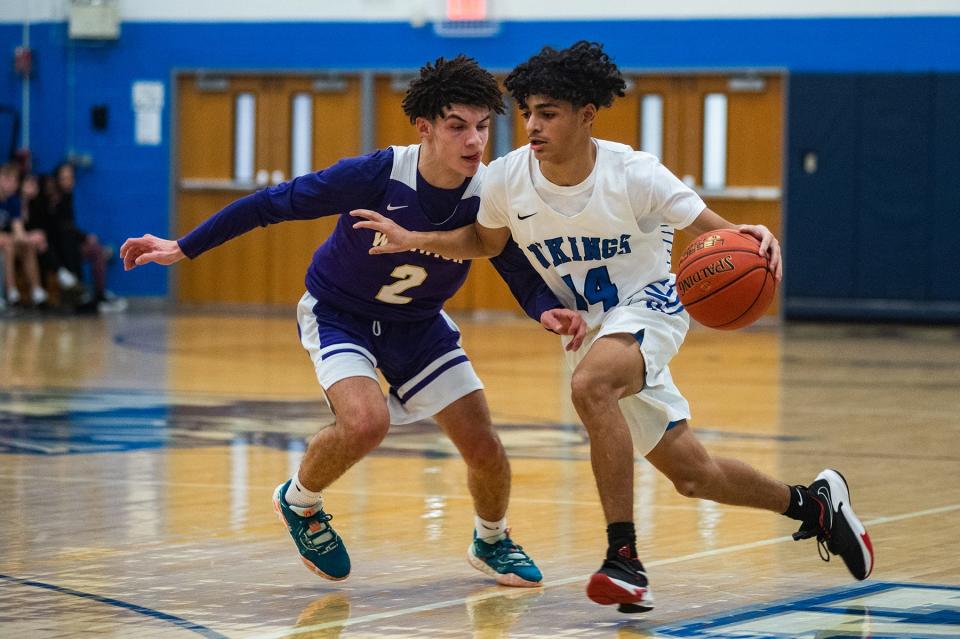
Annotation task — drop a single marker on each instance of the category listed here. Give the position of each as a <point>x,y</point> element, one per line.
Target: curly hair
<point>580,74</point>
<point>447,82</point>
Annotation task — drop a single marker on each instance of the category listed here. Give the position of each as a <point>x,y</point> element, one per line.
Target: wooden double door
<point>240,133</point>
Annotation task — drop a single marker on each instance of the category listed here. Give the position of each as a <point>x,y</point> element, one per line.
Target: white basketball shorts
<point>660,404</point>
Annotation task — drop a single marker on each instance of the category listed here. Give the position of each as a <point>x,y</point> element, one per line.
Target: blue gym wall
<point>871,231</point>
<point>126,189</point>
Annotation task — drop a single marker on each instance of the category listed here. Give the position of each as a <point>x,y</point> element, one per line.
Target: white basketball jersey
<point>615,251</point>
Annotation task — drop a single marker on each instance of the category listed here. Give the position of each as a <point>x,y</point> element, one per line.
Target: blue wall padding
<point>878,220</point>
<point>821,207</point>
<point>944,222</point>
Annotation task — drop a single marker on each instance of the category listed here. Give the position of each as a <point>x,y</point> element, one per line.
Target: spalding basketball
<point>723,281</point>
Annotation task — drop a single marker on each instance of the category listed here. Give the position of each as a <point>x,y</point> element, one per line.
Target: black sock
<point>803,507</point>
<point>620,535</point>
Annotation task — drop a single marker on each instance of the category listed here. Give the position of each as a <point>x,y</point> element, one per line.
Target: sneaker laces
<point>822,549</point>
<point>629,564</point>
<point>506,549</point>
<point>319,535</point>
<point>816,528</point>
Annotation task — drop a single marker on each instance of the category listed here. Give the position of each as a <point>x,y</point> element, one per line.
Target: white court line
<point>449,603</point>
<point>16,443</point>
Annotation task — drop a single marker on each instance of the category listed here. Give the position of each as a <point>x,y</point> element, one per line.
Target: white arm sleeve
<point>494,208</point>
<point>658,193</point>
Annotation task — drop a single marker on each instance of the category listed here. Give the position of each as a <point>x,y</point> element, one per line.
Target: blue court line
<point>696,627</point>
<point>750,613</point>
<point>148,612</point>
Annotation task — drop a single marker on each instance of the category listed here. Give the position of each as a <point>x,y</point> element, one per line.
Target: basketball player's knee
<point>366,428</point>
<point>370,435</point>
<point>688,487</point>
<point>485,453</point>
<point>588,392</point>
<point>696,480</point>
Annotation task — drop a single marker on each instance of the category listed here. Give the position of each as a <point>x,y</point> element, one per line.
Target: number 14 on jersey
<point>597,288</point>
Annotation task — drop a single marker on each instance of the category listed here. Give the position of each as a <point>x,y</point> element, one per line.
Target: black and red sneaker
<point>621,580</point>
<point>838,530</point>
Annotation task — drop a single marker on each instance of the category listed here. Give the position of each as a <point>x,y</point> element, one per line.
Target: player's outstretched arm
<point>137,251</point>
<point>564,321</point>
<point>769,246</point>
<point>465,243</point>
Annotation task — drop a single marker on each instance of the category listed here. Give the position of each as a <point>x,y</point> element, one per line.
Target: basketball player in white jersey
<point>597,219</point>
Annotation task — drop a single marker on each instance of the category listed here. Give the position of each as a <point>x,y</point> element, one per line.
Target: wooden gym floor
<point>138,454</point>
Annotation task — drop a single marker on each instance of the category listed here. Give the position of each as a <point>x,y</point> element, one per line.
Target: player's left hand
<point>563,321</point>
<point>769,246</point>
<point>398,238</point>
<point>137,251</point>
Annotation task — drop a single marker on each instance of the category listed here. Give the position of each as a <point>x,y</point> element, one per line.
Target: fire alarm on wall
<point>23,61</point>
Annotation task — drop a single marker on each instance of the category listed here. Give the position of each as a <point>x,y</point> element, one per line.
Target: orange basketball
<point>723,282</point>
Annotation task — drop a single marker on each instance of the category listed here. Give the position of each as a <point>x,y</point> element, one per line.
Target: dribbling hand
<point>769,246</point>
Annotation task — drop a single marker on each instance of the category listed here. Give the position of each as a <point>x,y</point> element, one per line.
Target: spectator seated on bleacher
<point>72,246</point>
<point>14,242</point>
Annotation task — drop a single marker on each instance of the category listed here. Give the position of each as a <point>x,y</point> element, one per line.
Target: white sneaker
<point>38,296</point>
<point>66,278</point>
<point>112,304</point>
<point>13,296</point>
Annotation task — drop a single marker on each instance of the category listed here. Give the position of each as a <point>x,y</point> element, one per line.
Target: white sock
<point>297,495</point>
<point>491,531</point>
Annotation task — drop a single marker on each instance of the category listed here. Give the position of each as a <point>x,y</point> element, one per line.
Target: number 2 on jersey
<point>597,287</point>
<point>408,276</point>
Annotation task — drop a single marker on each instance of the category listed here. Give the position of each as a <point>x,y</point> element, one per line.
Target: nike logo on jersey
<point>391,207</point>
<point>523,217</point>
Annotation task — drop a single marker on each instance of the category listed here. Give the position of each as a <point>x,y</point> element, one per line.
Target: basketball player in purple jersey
<point>363,312</point>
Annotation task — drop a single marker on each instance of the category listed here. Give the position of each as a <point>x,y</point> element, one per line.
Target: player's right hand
<point>398,239</point>
<point>769,246</point>
<point>137,251</point>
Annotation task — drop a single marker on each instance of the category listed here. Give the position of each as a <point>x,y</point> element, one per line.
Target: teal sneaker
<point>321,548</point>
<point>505,561</point>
